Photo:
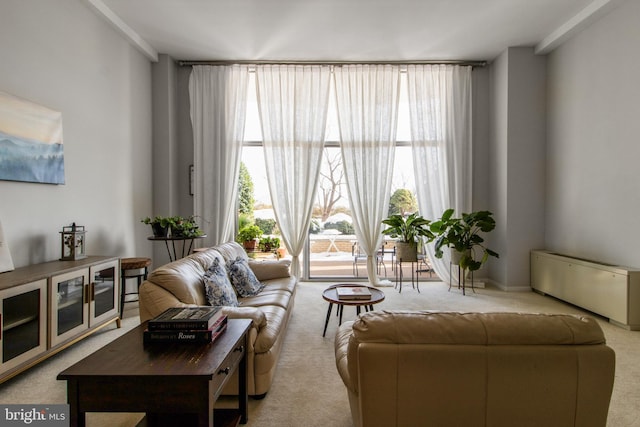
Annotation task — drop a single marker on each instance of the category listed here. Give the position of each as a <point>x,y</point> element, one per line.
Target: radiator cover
<point>611,291</point>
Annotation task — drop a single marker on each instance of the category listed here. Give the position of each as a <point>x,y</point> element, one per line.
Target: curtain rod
<point>425,62</point>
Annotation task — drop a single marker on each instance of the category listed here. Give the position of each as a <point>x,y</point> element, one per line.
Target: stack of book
<point>353,293</point>
<point>187,324</point>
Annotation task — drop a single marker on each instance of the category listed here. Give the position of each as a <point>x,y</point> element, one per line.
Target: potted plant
<point>248,235</point>
<point>184,227</point>
<point>407,230</point>
<point>462,235</point>
<point>159,225</point>
<point>268,244</point>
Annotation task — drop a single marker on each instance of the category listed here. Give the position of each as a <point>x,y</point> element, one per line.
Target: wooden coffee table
<point>331,296</point>
<point>175,384</point>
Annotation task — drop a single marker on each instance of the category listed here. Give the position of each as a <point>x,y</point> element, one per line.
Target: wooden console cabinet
<point>47,307</point>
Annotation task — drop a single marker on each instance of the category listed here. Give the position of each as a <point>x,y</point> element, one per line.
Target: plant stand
<point>461,279</point>
<point>186,247</point>
<point>399,275</point>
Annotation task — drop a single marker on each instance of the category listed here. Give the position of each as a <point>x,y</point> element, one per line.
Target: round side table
<point>331,296</point>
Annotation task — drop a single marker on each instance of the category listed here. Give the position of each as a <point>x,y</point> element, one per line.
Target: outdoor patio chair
<point>361,257</point>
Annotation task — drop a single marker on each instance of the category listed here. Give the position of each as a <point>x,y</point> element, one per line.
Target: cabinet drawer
<point>226,370</point>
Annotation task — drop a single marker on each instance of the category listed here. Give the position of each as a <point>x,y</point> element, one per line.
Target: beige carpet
<point>307,390</point>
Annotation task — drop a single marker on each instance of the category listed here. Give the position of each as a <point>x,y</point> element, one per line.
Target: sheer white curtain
<point>367,104</point>
<point>218,97</point>
<point>440,114</point>
<point>293,102</point>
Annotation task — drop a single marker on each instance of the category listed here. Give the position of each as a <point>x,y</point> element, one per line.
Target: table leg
<point>206,420</point>
<point>76,418</point>
<point>243,398</point>
<point>166,243</point>
<point>326,322</point>
<point>175,254</point>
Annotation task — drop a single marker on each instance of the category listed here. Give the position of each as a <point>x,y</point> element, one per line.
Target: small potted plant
<point>462,235</point>
<point>185,227</point>
<point>248,235</point>
<point>268,244</point>
<point>159,225</point>
<point>408,230</point>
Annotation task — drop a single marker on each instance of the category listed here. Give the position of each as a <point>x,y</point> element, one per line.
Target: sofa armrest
<point>256,315</point>
<point>341,344</point>
<point>154,300</point>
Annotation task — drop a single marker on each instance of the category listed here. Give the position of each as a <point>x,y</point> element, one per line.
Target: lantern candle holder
<point>73,242</point>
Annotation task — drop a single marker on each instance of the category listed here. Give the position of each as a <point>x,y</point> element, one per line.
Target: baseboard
<point>503,287</point>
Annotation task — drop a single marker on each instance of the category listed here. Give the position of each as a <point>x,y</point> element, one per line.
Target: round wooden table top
<point>134,263</point>
<point>331,296</point>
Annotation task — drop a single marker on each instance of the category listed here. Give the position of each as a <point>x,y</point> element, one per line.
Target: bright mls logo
<point>34,415</point>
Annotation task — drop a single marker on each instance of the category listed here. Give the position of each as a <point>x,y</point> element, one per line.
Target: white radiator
<point>611,291</point>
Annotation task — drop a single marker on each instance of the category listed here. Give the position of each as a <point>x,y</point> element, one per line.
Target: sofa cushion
<point>426,327</point>
<point>242,278</point>
<point>270,269</point>
<point>218,288</point>
<point>231,251</point>
<point>183,279</point>
<point>287,284</point>
<point>278,298</point>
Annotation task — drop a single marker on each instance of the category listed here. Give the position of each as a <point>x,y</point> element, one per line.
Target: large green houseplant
<point>407,230</point>
<point>462,235</point>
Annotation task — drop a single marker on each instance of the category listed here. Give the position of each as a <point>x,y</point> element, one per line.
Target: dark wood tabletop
<point>127,355</point>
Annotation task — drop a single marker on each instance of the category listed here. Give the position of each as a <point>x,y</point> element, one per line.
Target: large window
<point>332,249</point>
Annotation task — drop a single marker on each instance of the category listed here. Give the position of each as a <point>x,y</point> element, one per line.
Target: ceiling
<point>346,30</point>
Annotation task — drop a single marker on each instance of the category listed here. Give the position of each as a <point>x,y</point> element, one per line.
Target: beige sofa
<point>475,369</point>
<point>181,283</point>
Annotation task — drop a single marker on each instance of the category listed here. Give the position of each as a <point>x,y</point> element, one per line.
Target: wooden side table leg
<point>243,398</point>
<point>326,322</point>
<point>76,418</point>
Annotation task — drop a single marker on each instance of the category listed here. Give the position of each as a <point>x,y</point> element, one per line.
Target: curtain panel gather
<point>218,98</point>
<point>367,104</point>
<point>440,116</point>
<point>293,102</point>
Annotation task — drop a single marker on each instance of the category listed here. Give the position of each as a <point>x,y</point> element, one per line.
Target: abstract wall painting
<point>31,147</point>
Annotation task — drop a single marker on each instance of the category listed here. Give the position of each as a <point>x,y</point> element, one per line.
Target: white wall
<point>517,164</point>
<point>61,55</point>
<point>593,178</point>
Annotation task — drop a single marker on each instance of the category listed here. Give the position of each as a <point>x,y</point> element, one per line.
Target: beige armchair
<point>475,369</point>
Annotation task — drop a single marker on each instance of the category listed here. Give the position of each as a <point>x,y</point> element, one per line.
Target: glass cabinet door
<point>104,291</point>
<point>68,312</point>
<point>23,312</point>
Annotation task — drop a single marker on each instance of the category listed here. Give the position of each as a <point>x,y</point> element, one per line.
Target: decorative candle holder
<point>73,242</point>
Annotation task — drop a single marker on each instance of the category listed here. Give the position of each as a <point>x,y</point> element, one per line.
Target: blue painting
<point>31,147</point>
